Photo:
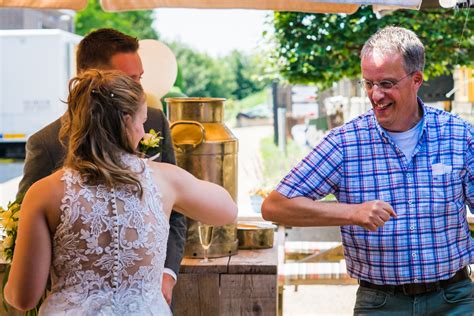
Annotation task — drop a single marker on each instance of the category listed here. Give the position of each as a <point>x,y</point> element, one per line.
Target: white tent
<point>310,6</point>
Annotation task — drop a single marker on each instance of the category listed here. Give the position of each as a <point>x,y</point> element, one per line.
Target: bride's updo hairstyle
<point>93,129</point>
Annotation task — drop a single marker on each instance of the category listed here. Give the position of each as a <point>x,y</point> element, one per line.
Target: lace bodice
<point>109,248</point>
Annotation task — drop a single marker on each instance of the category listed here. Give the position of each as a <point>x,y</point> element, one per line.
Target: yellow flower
<point>151,139</point>
<point>15,206</point>
<point>6,214</point>
<point>8,242</point>
<point>150,143</point>
<point>9,224</point>
<point>16,216</point>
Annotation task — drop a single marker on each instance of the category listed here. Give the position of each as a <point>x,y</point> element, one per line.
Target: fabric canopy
<point>310,6</point>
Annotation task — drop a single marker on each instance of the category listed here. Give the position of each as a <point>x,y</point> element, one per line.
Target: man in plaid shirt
<point>403,174</point>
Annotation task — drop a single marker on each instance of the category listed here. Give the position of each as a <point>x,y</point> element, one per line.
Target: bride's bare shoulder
<point>168,175</point>
<point>50,188</point>
<point>165,169</point>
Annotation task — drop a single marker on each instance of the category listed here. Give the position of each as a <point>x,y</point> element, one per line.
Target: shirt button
<point>415,280</point>
<point>412,227</point>
<point>410,202</point>
<point>413,254</point>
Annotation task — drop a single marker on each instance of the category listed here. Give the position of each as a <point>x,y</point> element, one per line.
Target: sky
<point>216,32</point>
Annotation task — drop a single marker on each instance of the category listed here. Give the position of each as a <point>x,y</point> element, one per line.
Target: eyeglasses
<point>384,85</point>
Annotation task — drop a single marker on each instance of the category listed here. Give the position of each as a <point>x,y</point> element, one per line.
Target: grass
<point>277,164</point>
<point>232,107</point>
<point>253,99</point>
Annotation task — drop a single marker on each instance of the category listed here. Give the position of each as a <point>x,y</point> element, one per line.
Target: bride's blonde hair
<point>93,129</point>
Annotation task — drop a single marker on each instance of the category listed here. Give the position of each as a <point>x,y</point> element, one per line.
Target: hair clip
<point>112,95</point>
<point>94,91</point>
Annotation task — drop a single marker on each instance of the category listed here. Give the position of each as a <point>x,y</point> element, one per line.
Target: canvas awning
<point>310,6</point>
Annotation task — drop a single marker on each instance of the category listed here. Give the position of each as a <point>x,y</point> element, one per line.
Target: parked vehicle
<point>36,67</point>
<point>259,111</point>
<point>258,115</point>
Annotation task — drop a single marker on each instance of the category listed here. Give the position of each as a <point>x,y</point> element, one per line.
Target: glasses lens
<point>366,84</point>
<point>387,85</point>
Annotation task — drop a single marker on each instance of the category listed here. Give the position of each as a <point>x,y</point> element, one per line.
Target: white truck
<point>35,67</point>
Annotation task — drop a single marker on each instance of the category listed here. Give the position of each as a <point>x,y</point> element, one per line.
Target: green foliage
<point>246,73</point>
<point>6,273</point>
<point>200,75</point>
<point>234,76</point>
<point>277,164</point>
<point>133,23</point>
<point>253,100</point>
<point>323,48</point>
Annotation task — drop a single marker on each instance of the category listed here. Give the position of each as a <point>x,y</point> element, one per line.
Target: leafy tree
<point>200,74</point>
<point>134,23</point>
<point>323,48</point>
<point>244,84</point>
<point>246,71</point>
<point>234,76</point>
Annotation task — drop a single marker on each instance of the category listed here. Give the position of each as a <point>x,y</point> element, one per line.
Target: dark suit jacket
<point>44,155</point>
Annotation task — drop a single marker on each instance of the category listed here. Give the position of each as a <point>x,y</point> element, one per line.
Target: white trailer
<point>35,67</point>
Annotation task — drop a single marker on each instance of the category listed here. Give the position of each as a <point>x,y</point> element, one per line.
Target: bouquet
<point>150,144</point>
<point>9,222</point>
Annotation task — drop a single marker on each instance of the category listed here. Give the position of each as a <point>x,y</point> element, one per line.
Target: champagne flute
<point>205,238</point>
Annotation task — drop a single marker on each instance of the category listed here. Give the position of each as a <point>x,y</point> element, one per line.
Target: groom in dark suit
<point>109,49</point>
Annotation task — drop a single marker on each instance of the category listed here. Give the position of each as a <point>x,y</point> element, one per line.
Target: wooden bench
<point>314,263</point>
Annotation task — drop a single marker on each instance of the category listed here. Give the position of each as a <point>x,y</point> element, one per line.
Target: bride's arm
<point>201,200</point>
<point>32,257</point>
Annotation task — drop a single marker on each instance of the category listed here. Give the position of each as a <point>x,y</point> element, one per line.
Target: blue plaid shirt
<point>358,162</point>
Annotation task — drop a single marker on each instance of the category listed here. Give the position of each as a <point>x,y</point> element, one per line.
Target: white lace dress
<point>109,249</point>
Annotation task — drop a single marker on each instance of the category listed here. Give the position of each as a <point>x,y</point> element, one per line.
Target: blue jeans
<point>455,299</point>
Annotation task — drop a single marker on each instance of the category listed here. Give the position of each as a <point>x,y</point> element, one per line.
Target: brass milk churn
<point>206,148</point>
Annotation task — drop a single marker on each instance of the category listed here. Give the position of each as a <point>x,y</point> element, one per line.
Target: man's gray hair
<point>392,39</point>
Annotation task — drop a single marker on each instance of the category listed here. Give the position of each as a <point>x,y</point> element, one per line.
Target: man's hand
<point>167,287</point>
<point>372,215</point>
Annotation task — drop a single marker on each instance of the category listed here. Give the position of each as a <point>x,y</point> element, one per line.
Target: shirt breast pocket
<point>447,187</point>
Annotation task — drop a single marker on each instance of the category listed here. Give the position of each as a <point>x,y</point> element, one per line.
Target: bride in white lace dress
<point>99,225</point>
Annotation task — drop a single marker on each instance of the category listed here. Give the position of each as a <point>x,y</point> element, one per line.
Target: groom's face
<point>129,63</point>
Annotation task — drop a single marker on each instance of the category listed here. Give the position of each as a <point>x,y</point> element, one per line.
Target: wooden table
<point>243,284</point>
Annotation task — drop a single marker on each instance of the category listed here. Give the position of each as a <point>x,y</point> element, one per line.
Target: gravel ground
<point>319,300</point>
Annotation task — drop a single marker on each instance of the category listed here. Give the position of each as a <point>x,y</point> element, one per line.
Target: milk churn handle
<point>203,131</point>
